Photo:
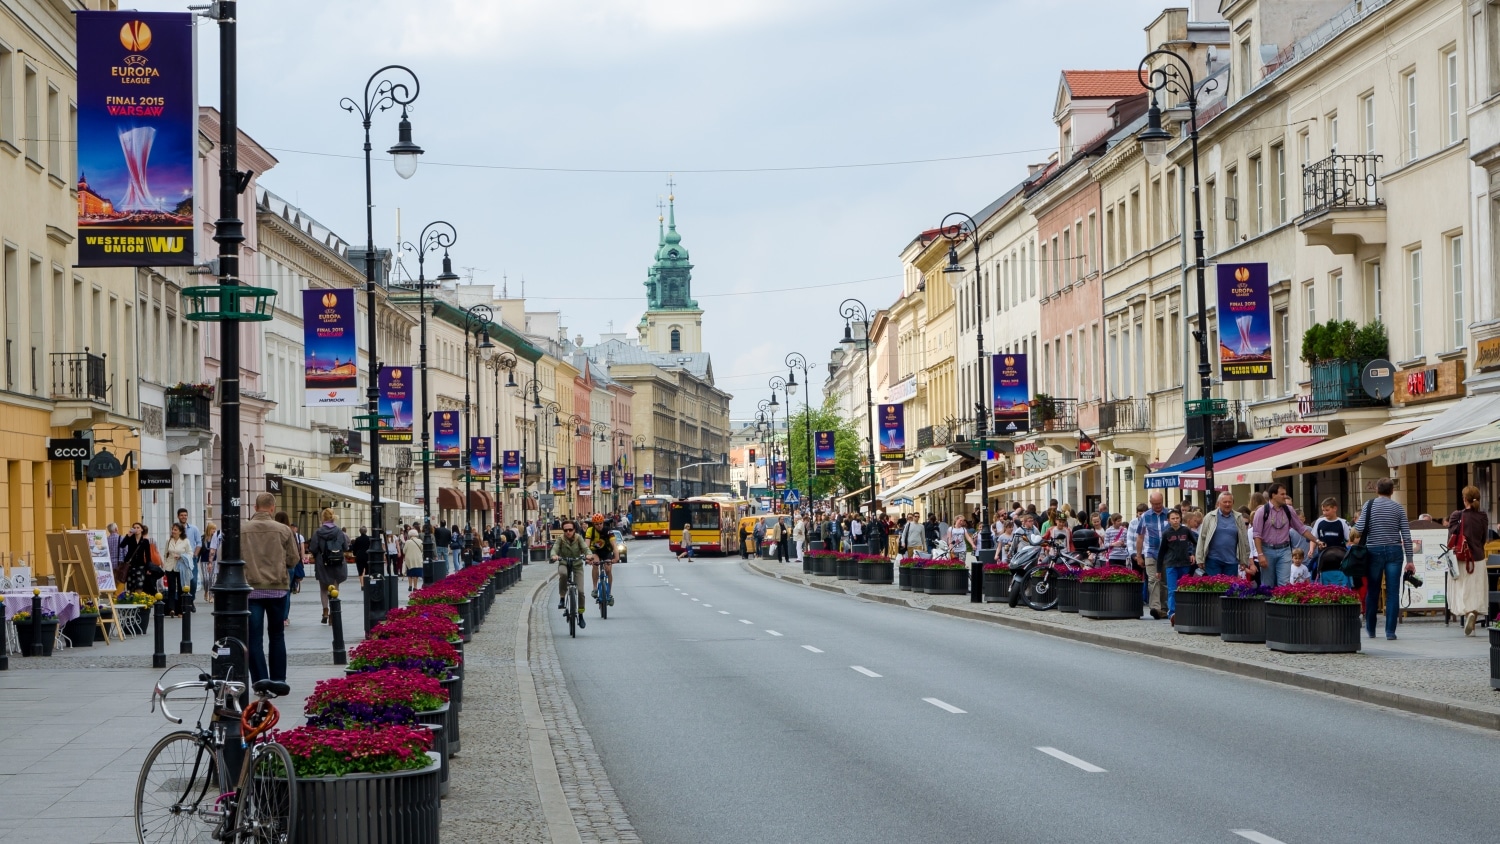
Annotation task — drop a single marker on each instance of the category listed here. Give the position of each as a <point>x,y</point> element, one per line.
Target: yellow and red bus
<point>649,515</point>
<point>715,521</point>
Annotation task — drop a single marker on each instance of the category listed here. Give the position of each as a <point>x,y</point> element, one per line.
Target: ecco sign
<point>72,449</point>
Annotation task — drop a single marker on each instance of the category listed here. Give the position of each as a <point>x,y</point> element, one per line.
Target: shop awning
<point>940,483</point>
<point>1170,477</point>
<point>1197,479</point>
<point>1477,447</point>
<point>479,499</point>
<point>1337,453</point>
<point>1042,477</point>
<point>339,491</point>
<point>922,476</point>
<point>1184,452</point>
<point>1462,418</point>
<point>859,491</point>
<point>450,499</point>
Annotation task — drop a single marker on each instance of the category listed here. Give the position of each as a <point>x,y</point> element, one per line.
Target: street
<point>729,707</point>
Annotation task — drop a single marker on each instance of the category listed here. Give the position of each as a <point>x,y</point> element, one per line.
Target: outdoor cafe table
<point>64,604</point>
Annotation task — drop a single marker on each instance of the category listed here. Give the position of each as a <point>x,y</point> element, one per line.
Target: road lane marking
<point>811,648</point>
<point>948,706</point>
<point>695,599</point>
<point>1075,761</point>
<point>708,605</point>
<point>1257,837</point>
<point>865,671</point>
<point>723,612</point>
<point>773,632</point>
<point>746,621</point>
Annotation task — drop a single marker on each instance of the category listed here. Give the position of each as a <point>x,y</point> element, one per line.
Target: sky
<point>524,102</point>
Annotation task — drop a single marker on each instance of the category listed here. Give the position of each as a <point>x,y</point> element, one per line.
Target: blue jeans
<point>266,616</point>
<point>1213,567</point>
<point>454,559</point>
<point>1174,574</point>
<point>1385,560</point>
<point>1276,567</point>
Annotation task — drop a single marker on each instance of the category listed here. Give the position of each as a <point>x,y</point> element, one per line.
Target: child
<point>1177,552</point>
<point>1333,540</point>
<point>1300,574</point>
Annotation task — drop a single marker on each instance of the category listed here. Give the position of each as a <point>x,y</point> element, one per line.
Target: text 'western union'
<point>136,244</point>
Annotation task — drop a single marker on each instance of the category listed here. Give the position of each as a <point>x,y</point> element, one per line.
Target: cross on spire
<point>671,187</point>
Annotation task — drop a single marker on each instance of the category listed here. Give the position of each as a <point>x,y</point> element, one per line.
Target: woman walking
<point>208,556</point>
<point>327,547</point>
<point>1387,533</point>
<point>1468,528</point>
<point>178,566</point>
<point>393,554</point>
<point>411,554</point>
<point>143,569</point>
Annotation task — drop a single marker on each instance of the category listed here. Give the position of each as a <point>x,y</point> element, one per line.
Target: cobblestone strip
<point>596,809</point>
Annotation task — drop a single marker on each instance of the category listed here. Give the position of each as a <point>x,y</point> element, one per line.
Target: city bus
<point>648,515</point>
<point>715,521</point>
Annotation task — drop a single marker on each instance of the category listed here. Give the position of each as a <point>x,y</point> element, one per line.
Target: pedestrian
<point>195,544</point>
<point>745,535</point>
<point>411,557</point>
<point>1148,533</point>
<point>960,539</point>
<point>1116,551</point>
<point>1223,540</point>
<point>1333,545</point>
<point>361,548</point>
<point>799,536</point>
<point>442,538</point>
<point>783,539</point>
<point>393,554</point>
<point>112,545</point>
<point>176,550</point>
<point>327,548</point>
<point>1386,533</point>
<point>687,543</point>
<point>931,530</point>
<point>1299,541</point>
<point>1176,558</point>
<point>144,567</point>
<point>759,533</point>
<point>1468,527</point>
<point>270,552</point>
<point>913,539</point>
<point>208,555</point>
<point>1275,523</point>
<point>1300,573</point>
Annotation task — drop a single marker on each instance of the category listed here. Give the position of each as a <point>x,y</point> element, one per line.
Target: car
<point>619,543</point>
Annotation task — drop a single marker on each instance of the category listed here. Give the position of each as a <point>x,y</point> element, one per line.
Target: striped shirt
<point>1387,524</point>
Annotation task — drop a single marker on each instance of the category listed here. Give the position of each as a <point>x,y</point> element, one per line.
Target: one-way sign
<point>792,497</point>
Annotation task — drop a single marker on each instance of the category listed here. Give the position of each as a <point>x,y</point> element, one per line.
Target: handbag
<point>1357,559</point>
<point>1460,548</point>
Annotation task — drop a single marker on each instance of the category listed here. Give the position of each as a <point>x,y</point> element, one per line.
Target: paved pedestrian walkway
<point>1431,669</point>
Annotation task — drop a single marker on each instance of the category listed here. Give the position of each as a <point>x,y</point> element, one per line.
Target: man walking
<point>442,539</point>
<point>270,552</point>
<point>1148,533</point>
<point>195,546</point>
<point>1274,525</point>
<point>1386,532</point>
<point>1223,541</point>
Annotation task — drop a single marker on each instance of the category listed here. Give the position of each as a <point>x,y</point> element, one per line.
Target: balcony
<point>344,450</point>
<point>1336,386</point>
<point>1125,416</point>
<point>1050,415</point>
<point>1342,206</point>
<point>79,389</point>
<point>1231,428</point>
<point>189,411</point>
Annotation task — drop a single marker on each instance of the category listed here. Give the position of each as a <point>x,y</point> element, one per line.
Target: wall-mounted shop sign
<point>1487,355</point>
<point>1430,383</point>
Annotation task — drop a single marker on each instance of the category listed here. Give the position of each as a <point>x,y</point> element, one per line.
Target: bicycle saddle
<point>275,688</point>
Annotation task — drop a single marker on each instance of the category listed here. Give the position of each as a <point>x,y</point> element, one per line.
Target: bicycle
<point>603,593</point>
<point>183,792</point>
<point>570,601</point>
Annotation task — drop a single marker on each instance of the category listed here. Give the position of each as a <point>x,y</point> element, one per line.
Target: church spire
<point>669,279</point>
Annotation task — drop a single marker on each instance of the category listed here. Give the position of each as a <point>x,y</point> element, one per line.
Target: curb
<point>1433,706</point>
<point>561,828</point>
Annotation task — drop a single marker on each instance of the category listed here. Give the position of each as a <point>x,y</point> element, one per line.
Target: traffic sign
<point>792,497</point>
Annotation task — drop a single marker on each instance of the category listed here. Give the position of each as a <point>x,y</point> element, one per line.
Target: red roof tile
<point>1089,84</point>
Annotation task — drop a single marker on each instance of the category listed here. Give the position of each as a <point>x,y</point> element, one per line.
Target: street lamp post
<point>851,309</point>
<point>380,94</point>
<point>435,235</point>
<point>1175,76</point>
<point>552,409</point>
<point>779,383</point>
<point>601,431</point>
<point>476,322</point>
<point>967,229</point>
<point>795,361</point>
<point>574,421</point>
<point>504,361</point>
<point>532,389</point>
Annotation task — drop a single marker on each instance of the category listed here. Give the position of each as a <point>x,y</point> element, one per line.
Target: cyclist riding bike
<point>569,552</point>
<point>602,551</point>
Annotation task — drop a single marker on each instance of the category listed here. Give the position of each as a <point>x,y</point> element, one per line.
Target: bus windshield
<point>648,512</point>
<point>704,515</point>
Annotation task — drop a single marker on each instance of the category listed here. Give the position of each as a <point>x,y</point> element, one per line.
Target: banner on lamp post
<point>778,474</point>
<point>585,480</point>
<point>1010,393</point>
<point>606,480</point>
<point>395,402</point>
<point>559,480</point>
<point>446,441</point>
<point>648,482</point>
<point>1244,322</point>
<point>627,480</point>
<point>331,357</point>
<point>480,458</point>
<point>510,468</point>
<point>137,139</point>
<point>892,425</point>
<point>825,455</point>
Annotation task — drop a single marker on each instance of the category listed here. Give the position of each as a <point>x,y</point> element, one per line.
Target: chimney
<point>578,341</point>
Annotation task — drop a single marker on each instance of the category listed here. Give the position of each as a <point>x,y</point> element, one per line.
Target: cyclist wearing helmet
<point>602,551</point>
<point>568,552</point>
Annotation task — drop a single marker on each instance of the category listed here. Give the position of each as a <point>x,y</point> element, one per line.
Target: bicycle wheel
<point>604,597</point>
<point>176,791</point>
<point>572,611</point>
<point>269,804</point>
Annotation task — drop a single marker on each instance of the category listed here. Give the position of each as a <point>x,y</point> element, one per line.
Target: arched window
<point>676,340</point>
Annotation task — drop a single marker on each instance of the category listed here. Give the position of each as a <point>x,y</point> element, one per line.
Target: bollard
<point>336,621</point>
<point>36,622</point>
<point>186,607</point>
<point>4,647</point>
<point>159,656</point>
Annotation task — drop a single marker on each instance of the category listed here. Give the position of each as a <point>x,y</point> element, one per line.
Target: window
<point>33,118</point>
<point>1124,375</point>
<point>1135,222</point>
<point>1450,63</point>
<point>1171,206</point>
<point>10,274</point>
<point>1211,225</point>
<point>1414,273</point>
<point>1367,116</point>
<point>1456,270</point>
<point>1140,357</point>
<point>1156,209</point>
<point>1109,237</point>
<point>1284,350</point>
<point>1305,140</point>
<point>1161,360</point>
<point>1333,133</point>
<point>1114,365</point>
<point>1091,248</point>
<point>1232,205</point>
<point>1046,275</point>
<point>1245,67</point>
<point>1409,85</point>
<point>1374,294</point>
<point>1310,305</point>
<point>676,340</point>
<point>1336,285</point>
<point>1258,174</point>
<point>1068,265</point>
<point>1278,199</point>
<point>55,146</point>
<point>7,94</point>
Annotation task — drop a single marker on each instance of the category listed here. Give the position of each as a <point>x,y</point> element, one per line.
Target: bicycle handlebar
<point>160,693</point>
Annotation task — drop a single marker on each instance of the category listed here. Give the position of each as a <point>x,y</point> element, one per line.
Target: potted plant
<point>824,563</point>
<point>906,573</point>
<point>379,699</point>
<point>1067,588</point>
<point>946,576</point>
<point>1109,592</point>
<point>874,568</point>
<point>1242,612</point>
<point>1197,601</point>
<point>80,631</point>
<point>27,634</point>
<point>996,582</point>
<point>427,655</point>
<point>1313,618</point>
<point>365,784</point>
<point>139,621</point>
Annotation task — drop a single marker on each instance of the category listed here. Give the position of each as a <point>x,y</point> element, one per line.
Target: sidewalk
<point>1431,669</point>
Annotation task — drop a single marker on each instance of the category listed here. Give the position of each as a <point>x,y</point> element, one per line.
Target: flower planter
<point>1198,613</point>
<point>24,637</point>
<point>371,808</point>
<point>439,749</point>
<point>1242,619</point>
<point>875,571</point>
<point>825,566</point>
<point>997,586</point>
<point>1495,657</point>
<point>946,581</point>
<point>847,569</point>
<point>1067,594</point>
<point>904,577</point>
<point>80,631</point>
<point>444,716</point>
<point>1109,600</point>
<point>1312,628</point>
<point>455,686</point>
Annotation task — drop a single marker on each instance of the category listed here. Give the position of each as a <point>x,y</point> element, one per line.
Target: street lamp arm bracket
<point>382,94</point>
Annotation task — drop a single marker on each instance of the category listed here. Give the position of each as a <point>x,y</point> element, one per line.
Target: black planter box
<point>401,806</point>
<point>1198,612</point>
<point>875,571</point>
<point>1313,628</point>
<point>904,577</point>
<point>946,581</point>
<point>455,686</point>
<point>1495,657</point>
<point>997,586</point>
<point>446,717</point>
<point>1242,619</point>
<point>825,566</point>
<point>80,631</point>
<point>24,637</point>
<point>847,569</point>
<point>1067,594</point>
<point>1109,600</point>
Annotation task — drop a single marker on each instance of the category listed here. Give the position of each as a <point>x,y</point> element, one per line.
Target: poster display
<point>778,474</point>
<point>1427,551</point>
<point>627,480</point>
<point>396,396</point>
<point>137,139</point>
<point>1010,393</point>
<point>585,480</point>
<point>510,468</point>
<point>606,480</point>
<point>559,480</point>
<point>647,482</point>
<point>825,457</point>
<point>892,431</point>
<point>331,359</point>
<point>1244,322</point>
<point>104,569</point>
<point>480,458</point>
<point>447,444</point>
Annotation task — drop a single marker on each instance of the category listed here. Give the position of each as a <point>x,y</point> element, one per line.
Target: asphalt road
<point>729,707</point>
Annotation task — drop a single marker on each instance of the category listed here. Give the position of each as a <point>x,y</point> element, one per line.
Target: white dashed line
<point>708,605</point>
<point>865,671</point>
<point>946,706</point>
<point>745,621</point>
<point>811,648</point>
<point>773,632</point>
<point>695,599</point>
<point>1085,766</point>
<point>1257,837</point>
<point>723,612</point>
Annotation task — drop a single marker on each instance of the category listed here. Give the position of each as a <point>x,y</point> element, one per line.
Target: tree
<point>847,454</point>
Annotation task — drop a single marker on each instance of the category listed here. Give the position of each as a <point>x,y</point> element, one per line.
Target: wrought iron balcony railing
<point>1050,414</point>
<point>1125,416</point>
<point>79,377</point>
<point>1341,182</point>
<point>189,411</point>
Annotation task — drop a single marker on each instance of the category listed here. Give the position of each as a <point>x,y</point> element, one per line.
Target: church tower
<point>673,322</point>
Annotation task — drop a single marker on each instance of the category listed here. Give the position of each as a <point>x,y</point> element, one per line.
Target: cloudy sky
<point>551,126</point>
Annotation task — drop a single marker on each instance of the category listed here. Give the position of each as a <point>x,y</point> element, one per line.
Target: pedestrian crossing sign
<point>792,497</point>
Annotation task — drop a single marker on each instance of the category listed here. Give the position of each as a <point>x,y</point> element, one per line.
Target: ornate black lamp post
<point>574,423</point>
<point>795,361</point>
<point>476,324</point>
<point>532,390</point>
<point>554,410</point>
<point>967,230</point>
<point>507,362</point>
<point>601,435</point>
<point>852,309</point>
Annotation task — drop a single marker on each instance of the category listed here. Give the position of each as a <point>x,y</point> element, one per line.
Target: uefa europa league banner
<point>778,474</point>
<point>1011,393</point>
<point>331,367</point>
<point>395,402</point>
<point>480,458</point>
<point>892,432</point>
<point>510,468</point>
<point>648,482</point>
<point>1244,322</point>
<point>560,481</point>
<point>446,443</point>
<point>627,481</point>
<point>585,480</point>
<point>606,480</point>
<point>137,139</point>
<point>825,456</point>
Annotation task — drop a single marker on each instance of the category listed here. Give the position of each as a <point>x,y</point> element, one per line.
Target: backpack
<point>333,553</point>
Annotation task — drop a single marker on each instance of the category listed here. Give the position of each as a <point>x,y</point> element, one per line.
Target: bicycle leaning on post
<point>185,793</point>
